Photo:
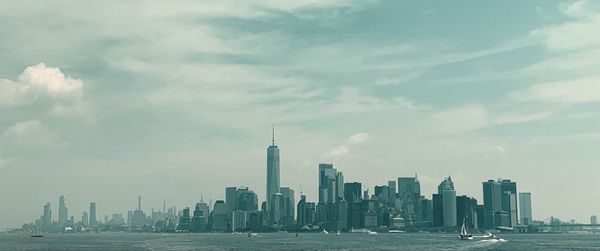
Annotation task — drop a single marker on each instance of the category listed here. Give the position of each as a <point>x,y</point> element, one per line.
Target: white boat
<point>325,231</point>
<point>250,234</point>
<point>464,233</point>
<point>393,231</point>
<point>338,233</point>
<point>371,232</point>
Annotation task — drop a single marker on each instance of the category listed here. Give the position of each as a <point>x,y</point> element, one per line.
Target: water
<point>305,241</point>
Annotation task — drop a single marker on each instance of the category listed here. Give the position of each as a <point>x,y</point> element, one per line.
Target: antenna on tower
<point>273,138</point>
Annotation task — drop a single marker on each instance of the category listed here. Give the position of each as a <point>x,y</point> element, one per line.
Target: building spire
<point>273,136</point>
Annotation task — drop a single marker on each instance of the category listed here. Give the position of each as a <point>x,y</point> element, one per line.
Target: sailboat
<point>464,233</point>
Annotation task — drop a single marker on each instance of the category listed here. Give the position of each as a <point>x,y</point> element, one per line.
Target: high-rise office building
<point>277,209</point>
<point>409,193</point>
<point>509,202</point>
<point>447,197</point>
<point>466,211</point>
<point>85,219</point>
<point>500,203</point>
<point>93,219</point>
<point>525,208</point>
<point>289,205</point>
<point>247,200</point>
<point>47,217</point>
<point>200,217</point>
<point>353,192</point>
<point>272,169</point>
<point>230,200</point>
<point>62,212</point>
<point>302,217</point>
<point>219,216</point>
<point>330,183</point>
<point>392,190</point>
<point>492,204</point>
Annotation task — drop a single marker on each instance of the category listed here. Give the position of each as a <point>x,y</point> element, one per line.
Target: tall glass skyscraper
<point>63,216</point>
<point>525,208</point>
<point>93,221</point>
<point>272,170</point>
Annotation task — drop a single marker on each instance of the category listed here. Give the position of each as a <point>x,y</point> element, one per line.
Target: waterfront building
<point>466,211</point>
<point>492,204</point>
<point>239,220</point>
<point>219,216</point>
<point>509,202</point>
<point>525,208</point>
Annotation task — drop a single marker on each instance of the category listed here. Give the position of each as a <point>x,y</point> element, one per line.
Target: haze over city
<point>174,102</point>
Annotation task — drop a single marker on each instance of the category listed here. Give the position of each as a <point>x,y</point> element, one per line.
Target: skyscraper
<point>392,190</point>
<point>246,199</point>
<point>409,192</point>
<point>230,200</point>
<point>62,212</point>
<point>509,202</point>
<point>289,205</point>
<point>47,217</point>
<point>272,169</point>
<point>85,219</point>
<point>330,183</point>
<point>93,220</point>
<point>492,204</point>
<point>446,189</point>
<point>525,208</point>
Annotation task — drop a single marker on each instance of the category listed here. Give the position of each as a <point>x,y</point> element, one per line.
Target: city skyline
<point>176,101</point>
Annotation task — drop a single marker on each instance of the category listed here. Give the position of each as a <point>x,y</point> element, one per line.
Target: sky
<point>174,100</point>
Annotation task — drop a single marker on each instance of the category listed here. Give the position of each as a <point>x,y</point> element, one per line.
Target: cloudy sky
<point>103,101</point>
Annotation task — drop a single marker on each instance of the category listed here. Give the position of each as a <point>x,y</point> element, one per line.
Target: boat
<point>395,231</point>
<point>36,233</point>
<point>250,234</point>
<point>371,232</point>
<point>338,233</point>
<point>324,232</point>
<point>464,233</point>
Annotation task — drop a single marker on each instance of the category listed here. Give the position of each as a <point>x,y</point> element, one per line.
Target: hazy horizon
<point>104,100</point>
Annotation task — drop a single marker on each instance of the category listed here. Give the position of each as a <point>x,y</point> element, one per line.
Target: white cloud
<point>339,151</point>
<point>579,33</point>
<point>358,138</point>
<point>460,119</point>
<point>586,90</point>
<point>51,81</point>
<point>39,81</point>
<point>31,132</point>
<point>574,9</point>
<point>514,117</point>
